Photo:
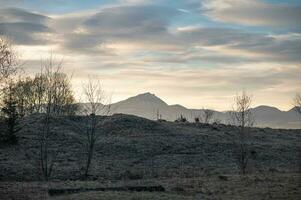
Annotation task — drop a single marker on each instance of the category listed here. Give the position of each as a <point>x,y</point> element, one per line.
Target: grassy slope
<point>134,148</point>
<point>186,158</point>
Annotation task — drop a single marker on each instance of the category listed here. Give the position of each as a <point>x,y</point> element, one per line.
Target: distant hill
<point>150,106</point>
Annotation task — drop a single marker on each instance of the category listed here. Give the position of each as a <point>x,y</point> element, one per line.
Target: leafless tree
<point>242,117</point>
<point>207,115</point>
<point>9,63</point>
<point>9,66</point>
<point>47,156</point>
<point>33,94</point>
<point>39,85</point>
<point>24,95</point>
<point>89,134</point>
<point>58,87</point>
<point>97,101</point>
<point>54,99</point>
<point>297,102</point>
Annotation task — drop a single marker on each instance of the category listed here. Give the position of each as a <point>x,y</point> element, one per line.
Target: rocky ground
<point>191,161</point>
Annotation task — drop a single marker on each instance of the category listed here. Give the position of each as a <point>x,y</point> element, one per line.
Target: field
<point>187,160</point>
<point>259,186</point>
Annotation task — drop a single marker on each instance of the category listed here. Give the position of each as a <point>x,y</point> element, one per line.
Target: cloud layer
<point>253,12</point>
<point>145,45</point>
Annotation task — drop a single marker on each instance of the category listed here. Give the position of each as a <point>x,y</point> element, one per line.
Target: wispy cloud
<point>253,12</point>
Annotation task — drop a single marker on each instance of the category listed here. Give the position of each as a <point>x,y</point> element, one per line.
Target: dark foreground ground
<point>189,161</point>
<point>260,186</point>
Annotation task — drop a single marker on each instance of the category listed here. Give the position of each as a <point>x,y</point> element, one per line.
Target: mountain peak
<point>146,98</point>
<point>147,94</point>
<point>149,97</point>
<point>148,105</point>
<point>266,108</point>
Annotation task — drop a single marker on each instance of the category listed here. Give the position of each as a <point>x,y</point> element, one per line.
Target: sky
<point>197,53</point>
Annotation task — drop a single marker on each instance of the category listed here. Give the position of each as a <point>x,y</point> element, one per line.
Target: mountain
<point>144,105</point>
<point>273,117</point>
<point>150,106</point>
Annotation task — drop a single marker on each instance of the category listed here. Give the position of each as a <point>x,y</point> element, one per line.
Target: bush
<point>181,119</point>
<point>5,137</point>
<point>11,115</point>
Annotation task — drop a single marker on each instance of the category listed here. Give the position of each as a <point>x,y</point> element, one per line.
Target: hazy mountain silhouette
<point>150,106</point>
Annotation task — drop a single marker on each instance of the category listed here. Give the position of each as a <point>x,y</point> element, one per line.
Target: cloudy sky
<point>198,53</point>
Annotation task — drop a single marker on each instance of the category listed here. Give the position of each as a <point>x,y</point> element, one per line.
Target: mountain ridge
<point>152,107</point>
<point>154,95</point>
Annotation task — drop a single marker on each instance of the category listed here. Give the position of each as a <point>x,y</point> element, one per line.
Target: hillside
<point>186,160</point>
<point>146,148</point>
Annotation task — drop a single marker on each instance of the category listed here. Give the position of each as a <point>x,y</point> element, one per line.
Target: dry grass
<point>259,186</point>
<point>190,161</point>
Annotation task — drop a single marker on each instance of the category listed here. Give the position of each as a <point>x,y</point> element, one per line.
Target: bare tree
<point>39,86</point>
<point>89,133</point>
<point>9,66</point>
<point>46,155</point>
<point>54,99</point>
<point>297,102</point>
<point>242,117</point>
<point>8,60</point>
<point>207,115</point>
<point>97,102</point>
<point>24,92</point>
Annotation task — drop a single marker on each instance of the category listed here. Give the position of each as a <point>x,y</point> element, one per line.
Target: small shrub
<point>223,178</point>
<point>197,120</point>
<point>181,119</point>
